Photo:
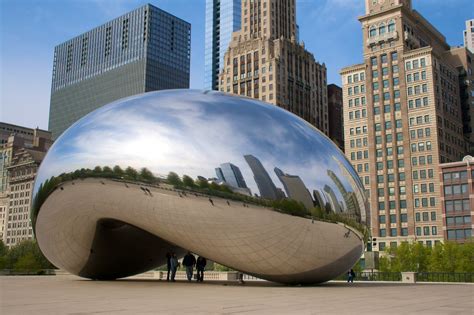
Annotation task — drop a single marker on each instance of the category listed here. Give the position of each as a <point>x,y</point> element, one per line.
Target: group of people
<point>189,262</point>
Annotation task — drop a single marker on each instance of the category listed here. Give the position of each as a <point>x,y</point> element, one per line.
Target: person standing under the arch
<point>200,265</point>
<point>189,261</point>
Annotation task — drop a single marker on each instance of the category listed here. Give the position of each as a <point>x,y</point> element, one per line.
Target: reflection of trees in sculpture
<point>49,185</point>
<point>201,186</point>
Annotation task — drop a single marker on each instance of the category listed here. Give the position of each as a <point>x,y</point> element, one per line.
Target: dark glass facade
<point>222,18</point>
<point>144,50</point>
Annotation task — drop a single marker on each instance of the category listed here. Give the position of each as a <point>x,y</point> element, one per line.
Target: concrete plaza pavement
<point>72,295</point>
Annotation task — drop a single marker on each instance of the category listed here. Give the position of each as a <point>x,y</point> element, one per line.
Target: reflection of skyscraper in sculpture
<point>357,191</point>
<point>318,199</point>
<point>350,198</point>
<point>333,199</point>
<point>264,182</point>
<point>295,188</point>
<point>232,176</point>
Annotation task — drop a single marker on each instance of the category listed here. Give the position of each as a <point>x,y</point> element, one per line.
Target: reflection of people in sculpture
<point>189,261</point>
<point>200,265</point>
<point>174,265</point>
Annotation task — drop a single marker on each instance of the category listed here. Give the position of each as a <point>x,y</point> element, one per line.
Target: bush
<point>25,256</point>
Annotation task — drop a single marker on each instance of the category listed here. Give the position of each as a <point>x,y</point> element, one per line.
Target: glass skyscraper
<point>222,18</point>
<point>144,50</point>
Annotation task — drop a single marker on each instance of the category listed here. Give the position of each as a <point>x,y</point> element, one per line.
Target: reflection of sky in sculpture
<point>191,132</point>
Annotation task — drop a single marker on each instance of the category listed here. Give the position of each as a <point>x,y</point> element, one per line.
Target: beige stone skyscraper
<point>265,61</point>
<point>402,118</point>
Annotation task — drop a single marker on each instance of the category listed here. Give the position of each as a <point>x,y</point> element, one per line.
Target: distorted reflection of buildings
<point>350,198</point>
<point>295,188</point>
<point>318,199</point>
<point>332,199</point>
<point>230,175</point>
<point>357,189</point>
<point>265,184</point>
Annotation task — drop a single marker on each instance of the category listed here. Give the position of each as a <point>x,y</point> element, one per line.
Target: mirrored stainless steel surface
<point>242,182</point>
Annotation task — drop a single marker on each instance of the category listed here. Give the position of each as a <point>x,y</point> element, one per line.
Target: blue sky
<point>30,29</point>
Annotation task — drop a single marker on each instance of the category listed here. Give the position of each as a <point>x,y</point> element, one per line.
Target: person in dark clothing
<point>189,261</point>
<point>200,265</point>
<point>168,265</point>
<point>350,276</point>
<point>174,264</point>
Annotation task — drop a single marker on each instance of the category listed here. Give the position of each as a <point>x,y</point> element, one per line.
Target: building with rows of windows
<point>402,118</point>
<point>144,50</point>
<point>20,156</point>
<point>265,61</point>
<point>222,18</point>
<point>457,199</point>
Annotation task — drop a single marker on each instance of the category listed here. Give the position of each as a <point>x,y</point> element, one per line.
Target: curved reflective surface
<point>241,182</point>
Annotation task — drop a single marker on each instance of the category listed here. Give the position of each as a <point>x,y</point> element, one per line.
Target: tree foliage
<point>26,256</point>
<point>443,257</point>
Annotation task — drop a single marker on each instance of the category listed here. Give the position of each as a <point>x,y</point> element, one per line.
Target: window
<point>403,217</point>
<point>373,60</point>
<point>375,85</point>
<point>382,233</point>
<point>372,31</point>
<point>426,230</point>
<point>395,81</point>
<point>384,71</point>
<point>384,58</point>
<point>382,29</point>
<point>375,74</point>
<point>391,28</point>
<point>393,232</point>
<point>423,62</point>
<point>381,219</point>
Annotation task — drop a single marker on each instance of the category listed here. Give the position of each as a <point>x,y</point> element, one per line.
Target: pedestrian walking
<point>189,261</point>
<point>174,264</point>
<point>200,265</point>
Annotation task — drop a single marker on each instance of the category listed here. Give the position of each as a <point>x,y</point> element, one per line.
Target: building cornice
<point>352,68</point>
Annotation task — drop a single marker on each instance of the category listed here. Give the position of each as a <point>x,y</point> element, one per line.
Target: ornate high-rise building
<point>402,118</point>
<point>265,61</point>
<point>20,156</point>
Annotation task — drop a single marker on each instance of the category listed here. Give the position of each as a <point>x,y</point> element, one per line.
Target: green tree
<point>27,262</point>
<point>174,179</point>
<point>146,175</point>
<point>107,170</point>
<point>3,254</point>
<point>131,173</point>
<point>26,253</point>
<point>188,181</point>
<point>118,170</point>
<point>202,183</point>
<point>97,170</point>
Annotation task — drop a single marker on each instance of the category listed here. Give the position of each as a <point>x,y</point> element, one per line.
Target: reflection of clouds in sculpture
<point>190,132</point>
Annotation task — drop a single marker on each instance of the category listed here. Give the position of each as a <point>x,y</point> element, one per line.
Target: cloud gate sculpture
<point>238,181</point>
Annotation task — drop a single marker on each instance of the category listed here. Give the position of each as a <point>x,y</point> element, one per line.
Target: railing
<point>374,276</point>
<point>444,277</point>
